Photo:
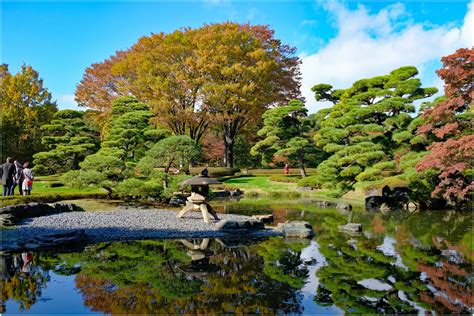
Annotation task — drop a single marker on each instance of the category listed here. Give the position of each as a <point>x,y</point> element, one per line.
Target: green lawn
<point>43,192</point>
<point>260,184</point>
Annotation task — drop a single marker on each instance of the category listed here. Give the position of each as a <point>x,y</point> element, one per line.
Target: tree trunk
<point>302,170</point>
<point>228,152</point>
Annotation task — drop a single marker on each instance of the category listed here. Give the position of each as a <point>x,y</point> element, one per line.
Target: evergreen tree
<point>366,126</point>
<point>68,141</point>
<point>286,133</point>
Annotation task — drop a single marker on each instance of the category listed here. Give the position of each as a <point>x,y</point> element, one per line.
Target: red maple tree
<point>450,127</point>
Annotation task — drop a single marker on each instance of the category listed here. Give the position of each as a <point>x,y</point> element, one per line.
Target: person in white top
<point>28,178</point>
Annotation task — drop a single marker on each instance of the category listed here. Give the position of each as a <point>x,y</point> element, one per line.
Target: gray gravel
<point>126,224</point>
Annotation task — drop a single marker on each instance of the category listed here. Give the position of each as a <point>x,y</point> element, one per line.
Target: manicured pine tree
<point>68,141</point>
<point>286,133</point>
<point>365,127</point>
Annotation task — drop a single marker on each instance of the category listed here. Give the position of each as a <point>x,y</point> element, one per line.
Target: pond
<point>401,263</point>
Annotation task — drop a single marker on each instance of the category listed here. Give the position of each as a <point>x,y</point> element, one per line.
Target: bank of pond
<point>402,262</point>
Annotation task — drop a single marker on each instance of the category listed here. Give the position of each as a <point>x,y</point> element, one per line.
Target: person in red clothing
<point>286,169</point>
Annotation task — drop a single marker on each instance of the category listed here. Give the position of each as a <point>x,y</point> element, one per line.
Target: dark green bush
<point>215,172</point>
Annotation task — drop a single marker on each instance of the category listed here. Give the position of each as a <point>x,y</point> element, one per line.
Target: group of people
<point>14,174</point>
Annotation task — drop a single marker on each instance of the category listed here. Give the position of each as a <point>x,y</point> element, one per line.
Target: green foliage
<point>129,129</point>
<point>25,105</point>
<point>366,128</point>
<point>138,188</point>
<point>286,134</point>
<point>176,151</point>
<point>68,141</point>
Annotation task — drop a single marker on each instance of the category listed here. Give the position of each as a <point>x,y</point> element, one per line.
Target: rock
<point>386,191</point>
<point>177,201</point>
<point>411,206</point>
<point>18,212</point>
<point>304,188</point>
<point>236,192</point>
<point>351,228</point>
<point>7,220</point>
<point>325,204</point>
<point>299,229</point>
<point>384,207</point>
<point>342,206</point>
<point>237,224</point>
<point>221,194</point>
<point>373,203</point>
<point>264,218</point>
<point>56,240</point>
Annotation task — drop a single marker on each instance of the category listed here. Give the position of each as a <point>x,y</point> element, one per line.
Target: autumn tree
<point>449,124</point>
<point>99,87</point>
<point>365,127</point>
<point>220,74</point>
<point>25,105</point>
<point>286,133</point>
<point>249,71</point>
<point>164,71</point>
<point>68,141</point>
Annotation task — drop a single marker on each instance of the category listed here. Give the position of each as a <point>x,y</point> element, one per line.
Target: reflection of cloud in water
<point>388,249</point>
<point>374,284</point>
<point>308,254</point>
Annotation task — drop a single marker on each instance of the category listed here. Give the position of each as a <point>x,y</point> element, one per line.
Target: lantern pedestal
<point>198,202</point>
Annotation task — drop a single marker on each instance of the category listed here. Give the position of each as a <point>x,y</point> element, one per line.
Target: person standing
<point>18,178</point>
<point>286,169</point>
<point>8,170</point>
<point>28,178</point>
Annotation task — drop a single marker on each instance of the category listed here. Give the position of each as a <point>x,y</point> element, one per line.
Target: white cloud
<point>374,44</point>
<point>66,101</point>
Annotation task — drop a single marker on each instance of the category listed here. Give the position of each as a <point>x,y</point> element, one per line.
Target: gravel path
<point>124,224</point>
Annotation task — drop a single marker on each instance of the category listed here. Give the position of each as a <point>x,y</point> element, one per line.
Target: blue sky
<point>338,42</point>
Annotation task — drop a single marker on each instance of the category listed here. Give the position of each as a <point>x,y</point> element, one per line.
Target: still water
<point>415,263</point>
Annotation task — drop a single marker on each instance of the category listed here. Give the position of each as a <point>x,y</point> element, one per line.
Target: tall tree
<point>162,70</point>
<point>364,128</point>
<point>449,124</point>
<point>25,105</point>
<point>99,86</point>
<point>223,74</point>
<point>286,133</point>
<point>68,141</point>
<point>248,70</point>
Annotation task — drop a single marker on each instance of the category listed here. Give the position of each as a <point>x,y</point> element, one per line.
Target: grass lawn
<point>44,192</point>
<point>260,184</point>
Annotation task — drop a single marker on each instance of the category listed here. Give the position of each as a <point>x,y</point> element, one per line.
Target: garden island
<point>194,177</point>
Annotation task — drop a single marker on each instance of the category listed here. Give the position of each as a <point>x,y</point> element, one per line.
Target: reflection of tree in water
<point>351,260</point>
<point>150,277</point>
<point>443,252</point>
<point>23,287</point>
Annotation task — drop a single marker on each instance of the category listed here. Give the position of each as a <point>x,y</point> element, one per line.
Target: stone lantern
<point>199,195</point>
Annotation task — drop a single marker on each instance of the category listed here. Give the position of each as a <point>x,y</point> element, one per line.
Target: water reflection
<point>400,263</point>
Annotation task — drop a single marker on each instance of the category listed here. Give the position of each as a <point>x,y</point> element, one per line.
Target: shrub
<point>311,181</point>
<point>136,188</point>
<point>215,172</point>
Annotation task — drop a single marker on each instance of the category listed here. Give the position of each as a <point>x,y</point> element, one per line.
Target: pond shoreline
<point>120,225</point>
